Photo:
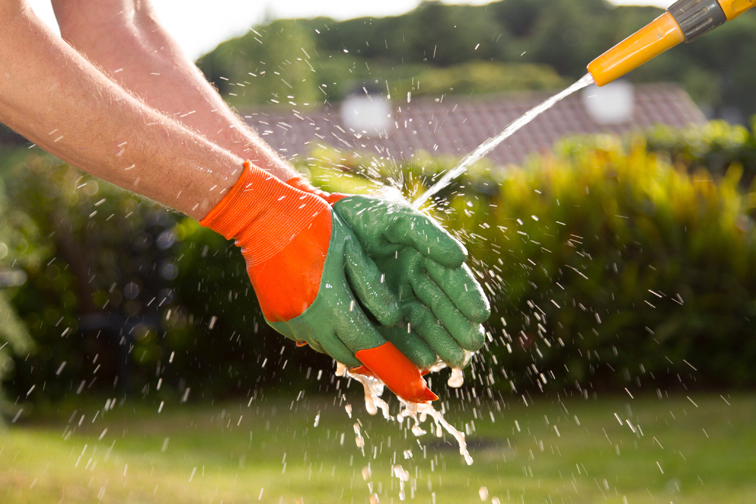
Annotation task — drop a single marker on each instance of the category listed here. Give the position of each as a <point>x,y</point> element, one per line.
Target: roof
<point>457,125</point>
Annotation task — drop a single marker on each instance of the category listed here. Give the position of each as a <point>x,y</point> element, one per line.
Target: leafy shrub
<point>16,233</point>
<point>605,264</point>
<point>608,264</point>
<point>299,57</point>
<point>86,301</point>
<point>713,146</point>
<point>124,296</point>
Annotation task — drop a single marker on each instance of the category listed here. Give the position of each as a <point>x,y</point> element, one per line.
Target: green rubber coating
<point>384,226</point>
<point>335,323</point>
<point>411,345</point>
<point>424,324</point>
<point>442,303</point>
<point>460,284</point>
<point>468,334</point>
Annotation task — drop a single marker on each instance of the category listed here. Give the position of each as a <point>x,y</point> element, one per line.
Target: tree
<point>566,35</point>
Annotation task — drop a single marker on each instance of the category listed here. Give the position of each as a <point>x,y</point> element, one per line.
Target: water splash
<point>418,412</point>
<point>457,379</point>
<point>374,388</point>
<point>403,476</point>
<point>492,142</point>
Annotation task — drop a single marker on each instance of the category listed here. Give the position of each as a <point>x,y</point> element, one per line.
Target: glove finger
<point>438,339</point>
<point>424,234</point>
<point>397,372</point>
<point>340,352</point>
<point>299,332</point>
<point>468,334</point>
<point>411,345</point>
<point>462,288</point>
<point>353,328</point>
<point>369,285</point>
<point>386,361</point>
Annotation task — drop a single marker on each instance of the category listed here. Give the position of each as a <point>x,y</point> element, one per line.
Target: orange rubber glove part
<point>283,236</point>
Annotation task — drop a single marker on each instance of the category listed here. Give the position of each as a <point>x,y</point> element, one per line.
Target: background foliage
<point>609,263</point>
<point>16,231</point>
<point>122,296</point>
<point>509,45</point>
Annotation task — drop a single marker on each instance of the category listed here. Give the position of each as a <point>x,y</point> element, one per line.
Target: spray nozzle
<point>684,21</point>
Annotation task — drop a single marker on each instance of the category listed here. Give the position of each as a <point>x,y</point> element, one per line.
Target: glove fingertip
<point>397,372</point>
<point>375,294</point>
<point>451,256</point>
<point>478,312</point>
<point>392,314</point>
<point>476,340</point>
<point>411,345</point>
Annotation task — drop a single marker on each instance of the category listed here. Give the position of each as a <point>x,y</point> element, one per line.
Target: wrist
<point>263,214</point>
<point>303,184</point>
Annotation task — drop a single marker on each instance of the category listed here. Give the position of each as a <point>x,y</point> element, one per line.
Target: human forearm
<point>57,99</point>
<point>124,38</point>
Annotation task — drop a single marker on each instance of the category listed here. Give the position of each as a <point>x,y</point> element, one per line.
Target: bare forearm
<point>124,38</point>
<point>54,97</point>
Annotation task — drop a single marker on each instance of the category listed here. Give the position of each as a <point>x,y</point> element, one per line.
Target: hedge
<point>607,262</point>
<point>612,263</point>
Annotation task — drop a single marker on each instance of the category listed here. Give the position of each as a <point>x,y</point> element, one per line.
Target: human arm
<point>57,99</point>
<point>142,56</point>
<point>125,39</point>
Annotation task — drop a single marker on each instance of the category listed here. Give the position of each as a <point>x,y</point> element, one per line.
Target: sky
<point>199,25</point>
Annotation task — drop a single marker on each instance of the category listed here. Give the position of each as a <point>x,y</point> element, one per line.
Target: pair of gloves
<point>375,284</point>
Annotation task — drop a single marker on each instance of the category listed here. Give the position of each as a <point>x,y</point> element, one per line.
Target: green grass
<point>234,453</point>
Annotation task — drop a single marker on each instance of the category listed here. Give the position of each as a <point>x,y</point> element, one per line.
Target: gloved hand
<point>442,304</point>
<point>309,271</point>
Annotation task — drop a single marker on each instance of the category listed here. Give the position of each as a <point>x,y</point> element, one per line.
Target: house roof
<point>457,125</point>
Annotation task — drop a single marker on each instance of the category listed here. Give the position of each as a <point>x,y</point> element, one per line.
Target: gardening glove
<point>442,304</point>
<point>312,277</point>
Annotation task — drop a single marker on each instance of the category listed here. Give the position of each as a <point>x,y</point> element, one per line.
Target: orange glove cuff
<point>263,214</point>
<point>304,185</point>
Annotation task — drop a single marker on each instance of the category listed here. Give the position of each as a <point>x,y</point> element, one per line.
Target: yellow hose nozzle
<point>734,8</point>
<point>683,21</point>
<point>645,44</point>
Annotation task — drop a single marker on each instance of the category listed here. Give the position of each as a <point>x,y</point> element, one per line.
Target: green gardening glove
<point>442,303</point>
<point>314,282</point>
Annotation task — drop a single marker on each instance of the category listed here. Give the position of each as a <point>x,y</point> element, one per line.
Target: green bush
<point>713,146</point>
<point>86,298</point>
<point>122,294</point>
<point>309,60</point>
<point>605,263</point>
<point>17,237</point>
<point>608,264</point>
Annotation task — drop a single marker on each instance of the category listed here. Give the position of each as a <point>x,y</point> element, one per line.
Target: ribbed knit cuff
<point>263,214</point>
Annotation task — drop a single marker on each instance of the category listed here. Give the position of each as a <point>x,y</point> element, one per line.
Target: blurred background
<point>614,236</point>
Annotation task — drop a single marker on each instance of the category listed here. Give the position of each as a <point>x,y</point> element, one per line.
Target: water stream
<point>374,388</point>
<point>494,141</point>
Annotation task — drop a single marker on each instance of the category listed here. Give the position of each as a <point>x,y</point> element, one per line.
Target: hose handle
<point>684,21</point>
<point>734,8</point>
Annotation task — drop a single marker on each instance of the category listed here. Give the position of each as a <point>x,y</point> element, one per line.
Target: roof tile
<point>457,125</point>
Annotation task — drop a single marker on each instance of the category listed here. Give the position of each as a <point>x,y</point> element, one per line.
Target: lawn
<point>680,449</point>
